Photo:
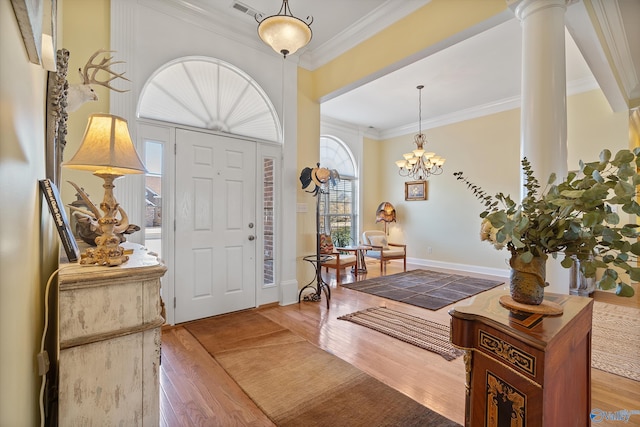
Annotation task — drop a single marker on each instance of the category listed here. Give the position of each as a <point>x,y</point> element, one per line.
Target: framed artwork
<point>415,190</point>
<point>29,16</point>
<point>57,88</point>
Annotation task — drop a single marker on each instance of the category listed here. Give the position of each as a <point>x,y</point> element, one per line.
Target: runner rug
<point>424,288</point>
<point>420,332</point>
<point>615,341</point>
<point>296,383</point>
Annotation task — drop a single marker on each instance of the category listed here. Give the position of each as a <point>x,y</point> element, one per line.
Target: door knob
<point>252,237</point>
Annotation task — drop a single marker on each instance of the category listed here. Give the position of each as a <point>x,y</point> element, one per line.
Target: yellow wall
<point>433,23</point>
<point>487,150</point>
<point>82,38</point>
<point>29,245</point>
<point>28,240</point>
<point>371,185</point>
<point>308,155</point>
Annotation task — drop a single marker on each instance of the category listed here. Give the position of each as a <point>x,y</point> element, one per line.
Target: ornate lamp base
<point>108,251</point>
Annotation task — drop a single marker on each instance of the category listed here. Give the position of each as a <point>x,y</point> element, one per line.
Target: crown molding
<point>505,104</point>
<point>609,17</point>
<point>350,127</point>
<point>584,34</point>
<point>225,25</point>
<point>371,24</point>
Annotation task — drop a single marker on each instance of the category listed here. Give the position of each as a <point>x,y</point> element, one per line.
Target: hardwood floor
<point>196,391</point>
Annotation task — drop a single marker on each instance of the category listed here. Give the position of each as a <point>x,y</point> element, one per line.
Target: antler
<point>87,200</point>
<point>90,70</point>
<point>122,226</point>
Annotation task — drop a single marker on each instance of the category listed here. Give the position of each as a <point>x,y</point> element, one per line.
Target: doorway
<point>215,225</point>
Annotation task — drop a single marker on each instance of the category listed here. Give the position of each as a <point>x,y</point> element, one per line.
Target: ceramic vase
<point>528,280</point>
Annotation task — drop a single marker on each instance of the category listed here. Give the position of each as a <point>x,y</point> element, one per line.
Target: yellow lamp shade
<point>107,148</point>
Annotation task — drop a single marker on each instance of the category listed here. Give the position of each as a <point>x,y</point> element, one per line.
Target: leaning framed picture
<point>415,190</point>
<point>52,196</point>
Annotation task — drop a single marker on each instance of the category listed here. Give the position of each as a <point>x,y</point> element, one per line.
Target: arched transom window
<point>210,94</point>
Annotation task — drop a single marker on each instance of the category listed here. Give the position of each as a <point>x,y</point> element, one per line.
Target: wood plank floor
<point>196,391</point>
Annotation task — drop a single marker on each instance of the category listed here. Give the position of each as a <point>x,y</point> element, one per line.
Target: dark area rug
<point>296,383</point>
<point>414,330</point>
<point>424,288</point>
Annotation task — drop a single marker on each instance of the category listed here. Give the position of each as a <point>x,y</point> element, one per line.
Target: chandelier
<point>284,32</point>
<point>419,164</point>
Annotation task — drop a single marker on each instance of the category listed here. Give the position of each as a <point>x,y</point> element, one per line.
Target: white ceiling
<point>476,74</point>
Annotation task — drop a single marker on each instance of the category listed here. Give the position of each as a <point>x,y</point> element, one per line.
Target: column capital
<point>524,8</point>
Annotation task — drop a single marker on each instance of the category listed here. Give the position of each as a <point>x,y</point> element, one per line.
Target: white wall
<point>143,35</point>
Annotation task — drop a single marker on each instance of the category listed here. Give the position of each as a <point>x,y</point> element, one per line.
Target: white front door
<point>215,213</point>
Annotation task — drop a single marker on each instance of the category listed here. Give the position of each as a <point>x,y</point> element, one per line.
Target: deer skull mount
<point>80,93</point>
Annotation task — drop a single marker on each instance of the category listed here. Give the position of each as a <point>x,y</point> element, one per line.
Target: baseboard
<point>610,297</point>
<point>499,272</point>
<point>289,292</point>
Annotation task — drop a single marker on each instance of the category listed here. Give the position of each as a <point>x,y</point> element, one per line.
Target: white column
<point>543,131</point>
<point>543,128</point>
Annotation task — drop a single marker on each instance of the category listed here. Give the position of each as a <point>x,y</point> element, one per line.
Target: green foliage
<point>574,218</point>
<point>341,236</point>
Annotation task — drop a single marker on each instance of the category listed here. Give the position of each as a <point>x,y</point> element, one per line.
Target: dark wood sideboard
<point>525,370</point>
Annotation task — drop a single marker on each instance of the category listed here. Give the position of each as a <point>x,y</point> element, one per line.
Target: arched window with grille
<point>338,208</point>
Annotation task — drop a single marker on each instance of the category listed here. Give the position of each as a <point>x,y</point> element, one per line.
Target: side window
<point>153,196</point>
<point>338,210</point>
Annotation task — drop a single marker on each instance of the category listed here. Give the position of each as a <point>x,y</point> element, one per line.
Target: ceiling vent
<point>247,10</point>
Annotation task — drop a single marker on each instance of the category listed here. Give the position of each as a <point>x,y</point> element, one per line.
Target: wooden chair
<point>383,250</point>
<point>338,260</point>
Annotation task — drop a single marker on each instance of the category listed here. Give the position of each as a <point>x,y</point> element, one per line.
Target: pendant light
<point>418,164</point>
<point>284,32</point>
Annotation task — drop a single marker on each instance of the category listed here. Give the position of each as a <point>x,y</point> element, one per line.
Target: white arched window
<point>338,209</point>
<point>209,93</point>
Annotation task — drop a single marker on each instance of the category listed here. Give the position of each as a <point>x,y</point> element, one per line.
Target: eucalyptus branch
<point>573,217</point>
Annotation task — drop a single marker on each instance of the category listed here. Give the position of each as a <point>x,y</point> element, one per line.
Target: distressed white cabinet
<point>109,332</point>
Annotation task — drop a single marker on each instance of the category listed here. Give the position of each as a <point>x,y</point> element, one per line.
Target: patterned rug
<point>615,342</point>
<point>424,288</point>
<point>420,332</point>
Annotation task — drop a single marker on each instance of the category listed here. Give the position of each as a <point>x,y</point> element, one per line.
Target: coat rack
<point>320,178</point>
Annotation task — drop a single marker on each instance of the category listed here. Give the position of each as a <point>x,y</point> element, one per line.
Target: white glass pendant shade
<point>285,34</point>
<point>401,163</point>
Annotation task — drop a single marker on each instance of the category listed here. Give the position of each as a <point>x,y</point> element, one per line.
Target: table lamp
<point>108,151</point>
